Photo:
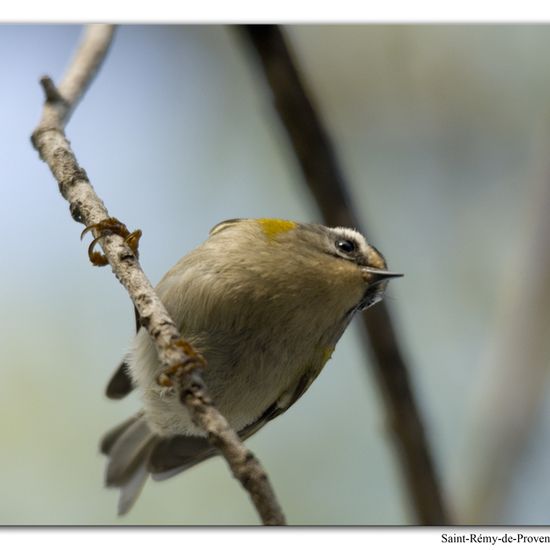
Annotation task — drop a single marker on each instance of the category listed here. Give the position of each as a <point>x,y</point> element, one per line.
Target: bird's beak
<point>377,275</point>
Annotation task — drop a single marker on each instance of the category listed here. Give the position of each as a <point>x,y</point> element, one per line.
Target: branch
<point>87,208</point>
<point>327,184</point>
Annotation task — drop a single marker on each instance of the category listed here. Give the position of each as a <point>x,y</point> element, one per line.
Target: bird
<point>264,301</point>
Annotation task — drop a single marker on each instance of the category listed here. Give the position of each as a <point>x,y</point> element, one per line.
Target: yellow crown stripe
<point>273,227</point>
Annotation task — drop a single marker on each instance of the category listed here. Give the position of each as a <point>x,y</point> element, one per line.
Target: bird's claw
<point>106,227</point>
<point>170,375</point>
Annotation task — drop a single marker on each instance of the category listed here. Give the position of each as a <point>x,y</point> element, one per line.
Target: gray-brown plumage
<point>265,302</point>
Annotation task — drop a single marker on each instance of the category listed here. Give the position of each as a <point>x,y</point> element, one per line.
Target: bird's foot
<point>169,376</point>
<point>110,226</point>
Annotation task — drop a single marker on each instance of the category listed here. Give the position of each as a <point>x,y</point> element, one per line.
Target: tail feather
<point>110,438</point>
<point>130,492</point>
<point>134,452</point>
<point>131,448</point>
<point>175,455</point>
<point>128,447</point>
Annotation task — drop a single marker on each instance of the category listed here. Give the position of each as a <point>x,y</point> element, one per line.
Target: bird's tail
<point>128,447</point>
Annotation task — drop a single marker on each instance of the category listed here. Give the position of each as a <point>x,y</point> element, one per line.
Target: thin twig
<point>87,208</point>
<point>326,182</point>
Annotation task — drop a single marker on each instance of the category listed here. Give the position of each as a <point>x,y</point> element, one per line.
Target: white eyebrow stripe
<point>348,233</point>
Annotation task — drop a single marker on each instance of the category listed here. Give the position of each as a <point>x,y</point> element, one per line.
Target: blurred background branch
<point>508,399</point>
<point>324,177</point>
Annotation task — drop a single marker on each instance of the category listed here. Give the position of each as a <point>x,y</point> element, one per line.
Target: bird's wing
<point>177,454</point>
<point>120,384</point>
<point>279,407</point>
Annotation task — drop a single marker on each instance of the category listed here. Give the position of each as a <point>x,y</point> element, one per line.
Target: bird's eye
<point>346,246</point>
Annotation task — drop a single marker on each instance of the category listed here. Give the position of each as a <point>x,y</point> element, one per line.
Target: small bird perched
<point>264,301</point>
